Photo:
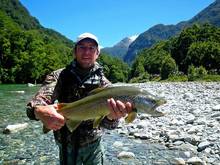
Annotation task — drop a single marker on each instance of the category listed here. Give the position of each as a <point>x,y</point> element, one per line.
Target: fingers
<point>49,116</point>
<point>56,122</point>
<point>118,109</point>
<point>128,107</point>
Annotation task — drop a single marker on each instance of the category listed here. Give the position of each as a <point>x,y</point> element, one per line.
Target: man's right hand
<point>49,116</point>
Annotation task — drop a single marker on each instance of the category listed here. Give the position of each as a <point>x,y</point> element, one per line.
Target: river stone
<point>178,161</point>
<point>15,128</point>
<point>195,161</point>
<point>190,119</point>
<point>203,145</point>
<point>117,144</point>
<point>126,155</point>
<point>216,108</point>
<point>143,136</point>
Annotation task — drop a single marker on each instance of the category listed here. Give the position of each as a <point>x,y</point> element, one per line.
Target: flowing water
<point>30,146</point>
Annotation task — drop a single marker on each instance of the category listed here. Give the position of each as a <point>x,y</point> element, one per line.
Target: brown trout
<point>95,106</point>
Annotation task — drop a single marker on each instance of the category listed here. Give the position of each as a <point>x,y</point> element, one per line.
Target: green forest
<point>28,52</point>
<point>192,55</point>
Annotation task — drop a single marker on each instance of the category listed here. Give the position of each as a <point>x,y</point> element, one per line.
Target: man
<point>84,74</point>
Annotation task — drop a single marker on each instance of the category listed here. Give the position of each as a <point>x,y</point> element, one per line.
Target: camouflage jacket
<point>68,85</point>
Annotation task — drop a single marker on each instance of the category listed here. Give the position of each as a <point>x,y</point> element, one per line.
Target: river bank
<point>189,133</point>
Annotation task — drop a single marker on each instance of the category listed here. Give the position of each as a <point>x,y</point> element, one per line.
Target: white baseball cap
<point>87,35</point>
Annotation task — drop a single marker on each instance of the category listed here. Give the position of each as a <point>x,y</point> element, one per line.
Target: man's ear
<point>98,51</point>
<point>74,52</point>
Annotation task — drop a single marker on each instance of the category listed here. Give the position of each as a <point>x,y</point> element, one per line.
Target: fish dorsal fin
<point>97,90</point>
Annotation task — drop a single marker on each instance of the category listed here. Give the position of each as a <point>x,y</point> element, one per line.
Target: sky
<point>111,20</point>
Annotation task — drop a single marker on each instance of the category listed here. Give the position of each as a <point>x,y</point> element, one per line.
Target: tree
<point>205,54</point>
<point>168,67</point>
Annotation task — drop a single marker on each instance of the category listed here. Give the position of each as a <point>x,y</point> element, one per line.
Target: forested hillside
<point>28,51</point>
<point>194,53</point>
<point>210,14</point>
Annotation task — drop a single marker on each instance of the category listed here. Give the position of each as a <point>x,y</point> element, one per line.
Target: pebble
<point>14,128</point>
<point>178,161</point>
<point>118,144</point>
<point>126,155</point>
<point>216,108</point>
<point>195,161</point>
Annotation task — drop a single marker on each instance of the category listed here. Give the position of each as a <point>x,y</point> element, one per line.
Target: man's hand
<point>49,117</point>
<point>118,109</point>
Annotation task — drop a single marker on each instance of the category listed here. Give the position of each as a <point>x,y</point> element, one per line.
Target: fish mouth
<point>161,102</point>
<point>158,113</point>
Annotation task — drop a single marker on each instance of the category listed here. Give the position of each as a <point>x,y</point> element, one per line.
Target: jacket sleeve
<point>106,123</point>
<point>44,95</point>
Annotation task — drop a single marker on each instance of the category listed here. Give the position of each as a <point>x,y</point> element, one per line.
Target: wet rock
<point>15,128</point>
<point>118,144</point>
<point>20,92</point>
<point>195,161</point>
<point>126,155</point>
<point>143,136</point>
<point>216,108</point>
<point>203,145</point>
<point>178,161</point>
<point>190,119</point>
<point>30,85</point>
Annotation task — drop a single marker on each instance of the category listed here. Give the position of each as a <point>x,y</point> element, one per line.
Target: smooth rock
<point>126,155</point>
<point>15,128</point>
<point>178,161</point>
<point>195,161</point>
<point>216,108</point>
<point>117,144</point>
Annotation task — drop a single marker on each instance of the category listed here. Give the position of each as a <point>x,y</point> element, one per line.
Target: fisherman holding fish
<point>80,145</point>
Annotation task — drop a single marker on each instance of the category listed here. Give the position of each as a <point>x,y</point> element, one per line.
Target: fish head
<point>148,104</point>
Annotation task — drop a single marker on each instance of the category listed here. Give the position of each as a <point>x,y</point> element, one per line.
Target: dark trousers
<point>90,154</point>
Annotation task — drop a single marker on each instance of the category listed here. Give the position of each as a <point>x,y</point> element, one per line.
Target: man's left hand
<point>118,109</point>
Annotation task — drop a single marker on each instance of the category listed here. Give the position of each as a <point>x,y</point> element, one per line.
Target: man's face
<point>86,53</point>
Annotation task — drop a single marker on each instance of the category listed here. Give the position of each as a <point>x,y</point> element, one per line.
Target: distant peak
<point>132,38</point>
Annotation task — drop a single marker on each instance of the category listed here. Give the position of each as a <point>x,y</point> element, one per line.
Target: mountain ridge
<point>120,49</point>
<point>210,14</point>
<point>20,15</point>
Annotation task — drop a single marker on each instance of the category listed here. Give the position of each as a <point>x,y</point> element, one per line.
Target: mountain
<point>159,32</point>
<point>121,48</point>
<point>211,15</point>
<point>21,16</point>
<point>28,51</point>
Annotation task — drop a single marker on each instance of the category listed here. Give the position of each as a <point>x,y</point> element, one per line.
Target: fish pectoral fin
<point>61,105</point>
<point>131,116</point>
<point>97,121</point>
<point>45,129</point>
<point>72,125</point>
